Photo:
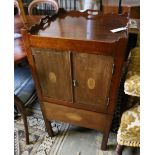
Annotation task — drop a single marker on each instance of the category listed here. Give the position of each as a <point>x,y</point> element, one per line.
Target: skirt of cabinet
<point>79,117</point>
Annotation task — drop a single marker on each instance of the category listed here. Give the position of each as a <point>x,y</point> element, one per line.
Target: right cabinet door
<point>92,79</point>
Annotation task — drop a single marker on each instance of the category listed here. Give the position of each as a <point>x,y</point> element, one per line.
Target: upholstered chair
<point>129,130</point>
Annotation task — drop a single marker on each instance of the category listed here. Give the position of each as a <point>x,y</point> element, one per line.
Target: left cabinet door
<point>54,73</point>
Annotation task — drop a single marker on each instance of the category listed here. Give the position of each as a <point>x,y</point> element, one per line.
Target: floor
<point>83,141</point>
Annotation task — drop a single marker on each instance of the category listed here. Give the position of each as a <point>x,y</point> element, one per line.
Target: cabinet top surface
<point>81,26</point>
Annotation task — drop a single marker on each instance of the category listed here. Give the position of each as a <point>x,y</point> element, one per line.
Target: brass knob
<point>74,83</point>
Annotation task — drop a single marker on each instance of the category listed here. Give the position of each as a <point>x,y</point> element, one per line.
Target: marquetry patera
<point>52,77</point>
<point>91,83</point>
<point>76,62</point>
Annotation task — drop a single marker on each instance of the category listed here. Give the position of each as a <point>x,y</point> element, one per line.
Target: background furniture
<point>132,7</point>
<point>43,7</point>
<point>24,89</point>
<point>25,93</point>
<point>66,4</point>
<point>22,13</point>
<point>70,4</point>
<point>76,64</point>
<point>16,7</point>
<point>129,130</point>
<point>125,101</point>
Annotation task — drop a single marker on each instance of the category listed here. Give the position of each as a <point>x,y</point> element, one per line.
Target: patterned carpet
<point>41,143</point>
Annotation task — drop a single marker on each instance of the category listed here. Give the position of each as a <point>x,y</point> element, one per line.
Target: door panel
<point>93,77</point>
<point>54,73</point>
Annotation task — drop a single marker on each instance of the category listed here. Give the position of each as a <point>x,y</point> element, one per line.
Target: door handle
<point>74,83</point>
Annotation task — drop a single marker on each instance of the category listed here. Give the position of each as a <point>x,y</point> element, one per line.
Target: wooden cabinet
<point>76,64</point>
<point>79,78</point>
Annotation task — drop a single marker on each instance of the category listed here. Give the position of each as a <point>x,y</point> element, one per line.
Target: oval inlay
<point>91,83</point>
<point>74,117</point>
<point>52,77</point>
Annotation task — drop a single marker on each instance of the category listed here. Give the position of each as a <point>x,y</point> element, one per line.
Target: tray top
<point>81,26</point>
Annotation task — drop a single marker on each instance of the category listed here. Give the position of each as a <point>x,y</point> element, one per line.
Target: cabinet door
<point>54,73</point>
<point>92,74</point>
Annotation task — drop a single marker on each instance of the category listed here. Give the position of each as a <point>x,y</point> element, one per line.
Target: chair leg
<point>24,117</point>
<point>119,149</point>
<point>21,108</point>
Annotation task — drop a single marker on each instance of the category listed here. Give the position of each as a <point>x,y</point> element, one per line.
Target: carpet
<point>40,142</point>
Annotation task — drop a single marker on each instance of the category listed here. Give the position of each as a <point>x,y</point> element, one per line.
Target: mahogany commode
<point>76,62</point>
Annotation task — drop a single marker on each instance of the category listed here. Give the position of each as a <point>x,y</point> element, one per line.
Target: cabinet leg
<point>47,122</point>
<point>104,141</point>
<point>106,132</point>
<point>49,128</point>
